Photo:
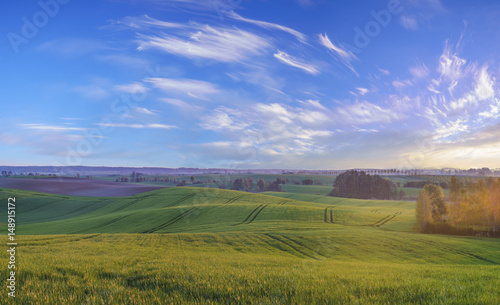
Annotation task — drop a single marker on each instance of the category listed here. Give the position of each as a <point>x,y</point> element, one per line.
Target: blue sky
<point>311,84</point>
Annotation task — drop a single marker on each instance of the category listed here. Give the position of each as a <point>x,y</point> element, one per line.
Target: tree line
<point>354,184</point>
<point>470,208</point>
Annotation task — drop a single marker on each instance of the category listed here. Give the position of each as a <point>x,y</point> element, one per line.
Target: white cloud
<point>143,110</point>
<point>207,42</point>
<point>275,110</point>
<point>343,54</point>
<point>221,119</point>
<point>186,86</point>
<point>362,91</point>
<point>450,65</point>
<point>409,23</point>
<point>312,117</point>
<point>51,127</point>
<point>468,99</point>
<point>313,103</point>
<point>419,71</point>
<point>146,22</point>
<point>268,25</point>
<point>365,113</point>
<point>451,128</point>
<point>137,126</point>
<point>493,112</point>
<point>401,84</point>
<point>484,87</point>
<point>180,103</point>
<point>384,72</point>
<point>297,63</point>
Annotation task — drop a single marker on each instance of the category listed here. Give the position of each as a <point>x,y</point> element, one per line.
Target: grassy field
<point>209,246</point>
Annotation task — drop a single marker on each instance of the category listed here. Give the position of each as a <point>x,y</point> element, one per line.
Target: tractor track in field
<point>40,206</point>
<point>386,219</point>
<point>172,221</point>
<point>256,214</point>
<point>283,202</point>
<point>390,218</point>
<point>180,200</point>
<point>249,215</point>
<point>290,244</point>
<point>71,212</point>
<point>126,205</point>
<point>459,252</point>
<point>58,240</point>
<point>331,214</point>
<point>234,199</point>
<point>302,245</point>
<point>107,223</point>
<point>129,204</point>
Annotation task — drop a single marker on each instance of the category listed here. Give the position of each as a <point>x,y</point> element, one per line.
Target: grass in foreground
<point>235,269</point>
<point>241,248</point>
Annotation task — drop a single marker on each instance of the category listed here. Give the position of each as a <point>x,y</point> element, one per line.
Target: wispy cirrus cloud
<point>409,23</point>
<point>296,62</point>
<point>401,83</point>
<point>137,126</point>
<point>450,65</point>
<point>268,25</point>
<point>345,56</point>
<point>484,84</point>
<point>223,119</point>
<point>146,22</point>
<point>366,113</point>
<point>180,104</point>
<point>196,41</point>
<point>185,86</point>
<point>419,71</point>
<point>51,127</point>
<point>313,103</point>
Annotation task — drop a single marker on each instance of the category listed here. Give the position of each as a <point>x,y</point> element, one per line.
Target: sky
<point>297,84</point>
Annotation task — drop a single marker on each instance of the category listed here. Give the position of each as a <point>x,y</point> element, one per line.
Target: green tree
<point>436,197</point>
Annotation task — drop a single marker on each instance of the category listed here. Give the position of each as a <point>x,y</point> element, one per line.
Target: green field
<point>203,246</point>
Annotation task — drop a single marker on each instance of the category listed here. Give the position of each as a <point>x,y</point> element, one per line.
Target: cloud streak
<point>345,56</point>
<point>197,41</point>
<point>268,25</point>
<point>297,63</point>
